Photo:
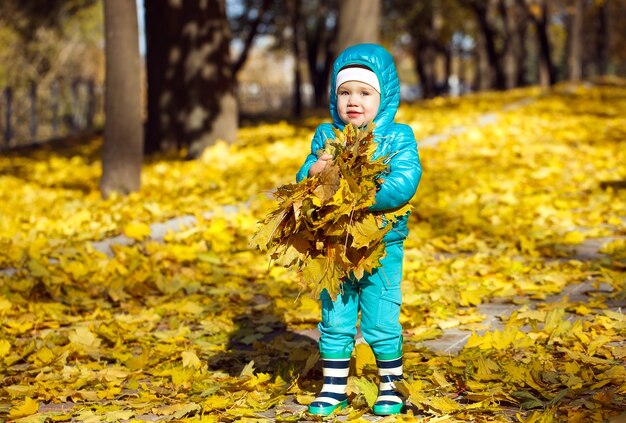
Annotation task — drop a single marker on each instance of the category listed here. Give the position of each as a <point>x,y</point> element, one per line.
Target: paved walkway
<point>450,342</point>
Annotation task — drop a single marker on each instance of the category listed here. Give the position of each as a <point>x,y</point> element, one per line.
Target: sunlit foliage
<point>196,327</point>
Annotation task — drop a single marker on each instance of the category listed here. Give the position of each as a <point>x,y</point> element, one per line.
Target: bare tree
<point>320,33</point>
<point>122,154</point>
<point>427,28</point>
<point>488,35</point>
<point>247,26</point>
<point>537,10</point>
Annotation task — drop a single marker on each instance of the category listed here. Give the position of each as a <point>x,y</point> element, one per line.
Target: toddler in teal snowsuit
<point>364,87</point>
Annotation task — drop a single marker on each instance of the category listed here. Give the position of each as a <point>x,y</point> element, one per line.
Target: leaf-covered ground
<point>198,327</point>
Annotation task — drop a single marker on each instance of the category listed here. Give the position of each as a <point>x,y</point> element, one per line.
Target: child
<point>364,87</point>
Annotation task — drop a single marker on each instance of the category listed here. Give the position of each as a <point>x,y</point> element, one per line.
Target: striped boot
<point>333,395</point>
<point>389,401</point>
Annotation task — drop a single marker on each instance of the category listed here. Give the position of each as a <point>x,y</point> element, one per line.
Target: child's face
<point>357,102</point>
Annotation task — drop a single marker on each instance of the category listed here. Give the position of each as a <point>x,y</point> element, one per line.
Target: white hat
<point>357,74</point>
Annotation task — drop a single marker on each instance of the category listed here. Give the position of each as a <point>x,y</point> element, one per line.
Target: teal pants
<point>378,297</point>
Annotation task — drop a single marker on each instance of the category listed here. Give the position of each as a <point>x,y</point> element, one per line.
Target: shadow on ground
<point>263,339</point>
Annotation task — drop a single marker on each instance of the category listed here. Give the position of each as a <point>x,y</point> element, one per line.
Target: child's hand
<point>320,164</point>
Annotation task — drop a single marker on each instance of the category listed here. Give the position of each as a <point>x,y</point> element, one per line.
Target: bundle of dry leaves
<point>323,225</point>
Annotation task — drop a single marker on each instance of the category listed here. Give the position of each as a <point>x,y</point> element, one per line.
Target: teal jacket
<point>395,140</point>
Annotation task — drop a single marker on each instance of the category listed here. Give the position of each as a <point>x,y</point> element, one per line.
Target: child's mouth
<point>353,114</point>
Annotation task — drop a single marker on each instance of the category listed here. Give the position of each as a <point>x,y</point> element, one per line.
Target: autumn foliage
<point>191,324</point>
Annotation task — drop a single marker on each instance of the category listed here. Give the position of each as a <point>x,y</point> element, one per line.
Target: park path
<point>159,230</point>
<point>452,340</point>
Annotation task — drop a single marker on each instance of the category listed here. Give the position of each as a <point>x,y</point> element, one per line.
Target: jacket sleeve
<point>405,171</point>
<point>319,139</point>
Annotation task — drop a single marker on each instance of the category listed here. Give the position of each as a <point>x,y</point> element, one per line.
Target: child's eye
<point>343,92</point>
<point>365,93</point>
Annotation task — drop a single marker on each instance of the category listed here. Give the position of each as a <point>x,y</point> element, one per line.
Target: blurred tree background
<point>54,51</point>
<point>208,65</point>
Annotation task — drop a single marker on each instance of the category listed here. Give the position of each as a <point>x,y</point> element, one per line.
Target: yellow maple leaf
<point>248,369</point>
<point>364,231</point>
<point>119,415</point>
<point>183,252</point>
<point>304,399</point>
<point>136,230</point>
<point>476,340</point>
<point>26,408</point>
<point>574,237</point>
<point>439,379</point>
<point>258,379</point>
<point>216,402</point>
<point>443,405</point>
<point>219,234</point>
<point>364,357</point>
<point>82,336</point>
<point>113,374</point>
<point>190,307</point>
<point>190,359</point>
<point>5,305</point>
<point>38,269</point>
<point>501,340</point>
<point>42,357</point>
<point>177,410</point>
<point>472,297</point>
<point>109,393</point>
<point>5,347</point>
<point>364,386</point>
<point>572,381</point>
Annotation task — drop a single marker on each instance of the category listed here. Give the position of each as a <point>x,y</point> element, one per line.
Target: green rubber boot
<point>333,395</point>
<point>389,401</point>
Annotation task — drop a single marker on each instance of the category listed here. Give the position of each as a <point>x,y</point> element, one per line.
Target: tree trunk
<point>359,22</point>
<point>54,98</point>
<point>462,72</point>
<point>297,74</point>
<point>448,69</point>
<point>191,103</point>
<point>522,67</point>
<point>32,124</point>
<point>442,55</point>
<point>489,44</point>
<point>91,103</point>
<point>252,32</point>
<point>514,24</point>
<point>539,16</point>
<point>8,114</point>
<point>425,67</point>
<point>122,152</point>
<point>574,60</point>
<point>483,79</point>
<point>157,28</point>
<point>423,29</point>
<point>320,54</point>
<point>547,75</point>
<point>602,39</point>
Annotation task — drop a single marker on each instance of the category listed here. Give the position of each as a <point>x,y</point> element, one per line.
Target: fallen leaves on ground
<point>197,327</point>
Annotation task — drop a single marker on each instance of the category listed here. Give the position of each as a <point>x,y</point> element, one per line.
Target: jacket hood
<point>380,61</point>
